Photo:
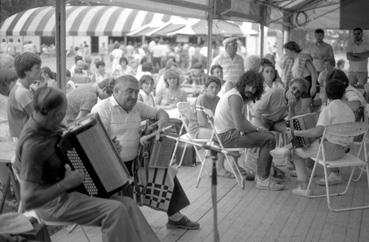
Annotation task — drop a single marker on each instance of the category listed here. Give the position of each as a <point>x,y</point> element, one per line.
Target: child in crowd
<point>337,111</point>
<point>48,77</point>
<point>145,94</point>
<point>208,99</point>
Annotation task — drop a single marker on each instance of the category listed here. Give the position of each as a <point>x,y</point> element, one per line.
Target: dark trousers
<point>179,199</point>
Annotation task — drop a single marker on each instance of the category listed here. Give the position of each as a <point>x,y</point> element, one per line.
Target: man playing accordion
<point>122,115</point>
<point>46,181</point>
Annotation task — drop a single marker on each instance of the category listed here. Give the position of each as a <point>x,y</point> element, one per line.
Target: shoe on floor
<point>268,184</point>
<point>294,174</point>
<point>183,223</point>
<point>300,192</point>
<point>333,179</point>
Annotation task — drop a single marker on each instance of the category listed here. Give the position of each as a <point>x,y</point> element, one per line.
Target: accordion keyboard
<point>78,164</point>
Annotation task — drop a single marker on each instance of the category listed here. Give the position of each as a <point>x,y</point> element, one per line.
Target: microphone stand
<point>214,150</point>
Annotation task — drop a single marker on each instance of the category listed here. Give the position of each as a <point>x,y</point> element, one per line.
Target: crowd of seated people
<point>245,111</point>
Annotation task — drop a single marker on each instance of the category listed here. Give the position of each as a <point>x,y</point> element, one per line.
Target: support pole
<point>210,34</point>
<point>60,19</point>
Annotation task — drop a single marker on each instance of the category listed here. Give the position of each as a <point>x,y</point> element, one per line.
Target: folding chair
<point>348,130</point>
<point>187,113</point>
<point>231,154</point>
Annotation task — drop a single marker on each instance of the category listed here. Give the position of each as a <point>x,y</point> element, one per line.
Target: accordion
<point>301,122</point>
<point>87,146</point>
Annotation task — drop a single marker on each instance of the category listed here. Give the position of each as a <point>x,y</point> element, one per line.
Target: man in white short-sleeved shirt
<point>230,61</point>
<point>357,53</point>
<point>320,51</point>
<point>121,115</point>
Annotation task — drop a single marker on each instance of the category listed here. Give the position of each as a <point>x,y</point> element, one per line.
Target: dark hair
<point>340,62</point>
<point>292,46</point>
<point>250,78</point>
<point>270,64</point>
<point>24,62</point>
<point>48,72</point>
<point>213,67</point>
<point>338,75</point>
<point>123,59</point>
<point>331,61</point>
<point>108,84</point>
<point>7,76</point>
<point>358,29</point>
<point>335,89</point>
<point>146,78</point>
<point>319,31</point>
<point>147,67</point>
<point>77,58</point>
<point>211,79</point>
<point>99,63</point>
<point>47,99</point>
<point>68,74</point>
<point>265,61</point>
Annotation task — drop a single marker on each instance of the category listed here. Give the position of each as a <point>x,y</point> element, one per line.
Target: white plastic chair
<point>231,154</point>
<point>187,113</point>
<point>348,130</point>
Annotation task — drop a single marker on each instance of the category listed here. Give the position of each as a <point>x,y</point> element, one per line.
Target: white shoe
<point>268,184</point>
<point>333,179</point>
<point>301,192</point>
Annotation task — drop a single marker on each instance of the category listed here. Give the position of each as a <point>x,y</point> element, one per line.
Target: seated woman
<point>337,111</point>
<point>208,99</point>
<point>145,94</point>
<point>235,131</point>
<point>123,68</point>
<point>172,94</point>
<point>269,112</point>
<point>46,181</point>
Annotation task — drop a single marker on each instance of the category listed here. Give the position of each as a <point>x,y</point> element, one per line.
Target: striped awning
<point>81,20</point>
<point>200,27</point>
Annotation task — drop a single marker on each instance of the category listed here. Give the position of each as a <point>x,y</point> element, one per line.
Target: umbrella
<point>200,27</point>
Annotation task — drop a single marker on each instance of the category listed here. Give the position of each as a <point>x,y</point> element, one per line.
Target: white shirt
<point>336,112</point>
<point>358,66</point>
<point>124,125</point>
<point>223,113</point>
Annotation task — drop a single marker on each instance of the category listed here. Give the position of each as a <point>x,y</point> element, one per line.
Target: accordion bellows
<point>302,122</point>
<point>87,146</point>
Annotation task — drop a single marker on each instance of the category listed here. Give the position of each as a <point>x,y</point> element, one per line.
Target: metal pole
<point>60,19</point>
<point>262,39</point>
<point>210,34</point>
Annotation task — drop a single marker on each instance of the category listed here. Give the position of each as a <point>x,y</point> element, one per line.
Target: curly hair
<point>253,79</point>
<point>214,79</point>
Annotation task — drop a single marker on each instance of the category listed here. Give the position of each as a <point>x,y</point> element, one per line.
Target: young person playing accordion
<point>45,180</point>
